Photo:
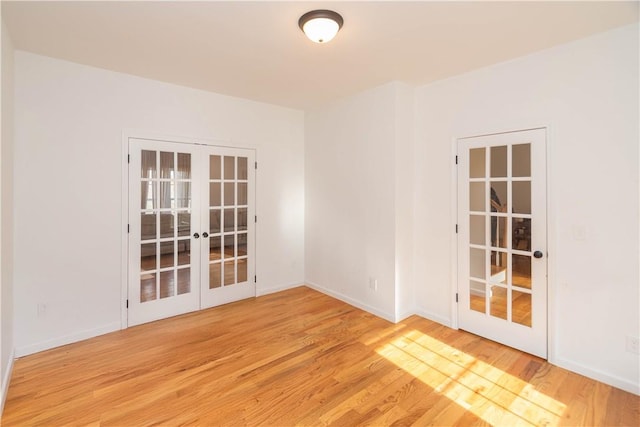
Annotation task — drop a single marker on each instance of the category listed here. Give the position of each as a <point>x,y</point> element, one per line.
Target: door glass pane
<point>183,195</point>
<point>184,223</point>
<point>166,254</point>
<point>229,167</point>
<point>148,196</point>
<point>166,225</point>
<point>147,287</point>
<point>184,281</point>
<point>476,196</point>
<point>522,197</point>
<point>477,263</point>
<point>215,168</point>
<point>498,302</point>
<point>499,161</point>
<point>214,194</point>
<point>477,163</point>
<point>148,259</point>
<point>229,220</point>
<point>477,300</point>
<point>214,221</point>
<point>242,193</point>
<point>521,160</point>
<point>215,248</point>
<point>521,266</point>
<point>229,193</point>
<point>229,245</point>
<point>229,272</point>
<point>521,308</point>
<point>521,234</point>
<point>498,267</point>
<point>166,165</point>
<point>167,284</point>
<point>498,197</point>
<point>242,219</point>
<point>242,168</point>
<point>215,275</point>
<point>167,195</point>
<point>148,164</point>
<point>499,231</point>
<point>477,234</point>
<point>184,252</point>
<point>242,244</point>
<point>242,270</point>
<point>148,226</point>
<point>184,166</point>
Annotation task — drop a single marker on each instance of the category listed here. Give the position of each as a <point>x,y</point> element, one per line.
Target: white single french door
<point>191,228</point>
<point>502,238</point>
<point>227,263</point>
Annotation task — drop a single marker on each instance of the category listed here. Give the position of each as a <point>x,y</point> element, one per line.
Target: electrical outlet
<point>42,309</point>
<point>633,344</point>
<point>373,284</point>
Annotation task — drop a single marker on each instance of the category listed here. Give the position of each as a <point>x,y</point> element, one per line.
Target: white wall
<point>359,199</point>
<point>349,199</point>
<point>587,93</point>
<point>69,121</point>
<point>6,214</point>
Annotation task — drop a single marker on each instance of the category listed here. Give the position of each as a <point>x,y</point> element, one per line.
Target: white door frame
<point>551,227</point>
<point>124,192</point>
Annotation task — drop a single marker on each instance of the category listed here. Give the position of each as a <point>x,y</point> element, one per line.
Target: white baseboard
<point>351,301</point>
<point>434,317</point>
<point>6,380</point>
<point>66,339</point>
<point>273,290</point>
<point>402,316</point>
<point>612,380</point>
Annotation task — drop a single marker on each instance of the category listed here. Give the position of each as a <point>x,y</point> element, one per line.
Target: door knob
<point>196,235</point>
<point>537,254</point>
<point>205,234</point>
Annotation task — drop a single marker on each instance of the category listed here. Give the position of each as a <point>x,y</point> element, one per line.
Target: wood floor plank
<point>299,357</point>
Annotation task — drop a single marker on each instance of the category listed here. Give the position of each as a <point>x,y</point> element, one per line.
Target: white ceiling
<point>255,50</point>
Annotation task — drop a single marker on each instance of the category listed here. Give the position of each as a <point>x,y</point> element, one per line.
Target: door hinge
<point>255,219</point>
<point>256,165</point>
<point>456,228</point>
<point>128,158</point>
<point>255,279</point>
<point>456,160</point>
<point>128,228</point>
<point>127,303</point>
<point>456,297</point>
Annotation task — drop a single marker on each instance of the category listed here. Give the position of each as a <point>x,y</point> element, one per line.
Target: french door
<point>502,267</point>
<point>191,228</point>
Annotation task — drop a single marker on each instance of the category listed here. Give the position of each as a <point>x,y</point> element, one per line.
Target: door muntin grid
<point>165,224</point>
<point>228,220</point>
<point>500,240</point>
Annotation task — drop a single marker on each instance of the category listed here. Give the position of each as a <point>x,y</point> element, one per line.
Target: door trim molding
<point>128,134</point>
<point>551,228</point>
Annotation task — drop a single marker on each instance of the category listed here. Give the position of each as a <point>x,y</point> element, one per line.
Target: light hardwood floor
<point>302,358</point>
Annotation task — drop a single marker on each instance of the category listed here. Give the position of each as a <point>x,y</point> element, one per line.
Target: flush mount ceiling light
<point>320,25</point>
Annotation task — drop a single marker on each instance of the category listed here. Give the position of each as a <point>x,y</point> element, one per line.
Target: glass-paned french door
<point>191,227</point>
<point>502,267</point>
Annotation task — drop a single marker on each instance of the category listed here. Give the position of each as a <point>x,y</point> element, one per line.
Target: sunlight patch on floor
<point>486,391</point>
